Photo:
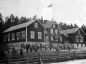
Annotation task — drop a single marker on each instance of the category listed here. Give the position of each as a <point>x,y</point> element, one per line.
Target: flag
<point>50,5</point>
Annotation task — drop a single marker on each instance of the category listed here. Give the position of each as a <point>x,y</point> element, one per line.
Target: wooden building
<point>30,32</point>
<point>75,36</point>
<point>50,31</point>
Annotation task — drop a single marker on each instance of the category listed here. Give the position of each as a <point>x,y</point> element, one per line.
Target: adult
<point>27,47</point>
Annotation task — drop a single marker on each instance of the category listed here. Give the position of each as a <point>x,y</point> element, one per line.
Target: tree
<point>7,23</point>
<point>1,29</point>
<point>34,17</point>
<point>75,26</point>
<point>23,20</point>
<point>16,20</point>
<point>12,18</point>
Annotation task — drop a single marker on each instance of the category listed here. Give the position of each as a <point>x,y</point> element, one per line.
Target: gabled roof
<point>19,26</point>
<point>83,31</point>
<point>63,33</point>
<point>48,24</point>
<point>69,31</point>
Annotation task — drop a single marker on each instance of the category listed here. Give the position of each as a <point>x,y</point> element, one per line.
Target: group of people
<point>35,48</point>
<point>20,50</point>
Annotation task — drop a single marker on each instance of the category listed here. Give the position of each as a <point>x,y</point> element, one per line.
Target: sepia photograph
<point>42,31</point>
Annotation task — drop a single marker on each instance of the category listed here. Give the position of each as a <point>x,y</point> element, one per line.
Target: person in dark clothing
<point>21,52</point>
<point>13,51</point>
<point>27,47</point>
<point>31,48</point>
<point>3,57</point>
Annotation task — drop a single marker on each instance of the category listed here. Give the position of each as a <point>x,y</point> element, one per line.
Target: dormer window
<point>36,25</point>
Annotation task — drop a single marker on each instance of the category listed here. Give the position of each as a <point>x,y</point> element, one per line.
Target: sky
<point>67,11</point>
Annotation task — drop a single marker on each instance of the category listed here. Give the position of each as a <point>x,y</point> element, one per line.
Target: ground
<point>47,56</point>
<point>72,62</point>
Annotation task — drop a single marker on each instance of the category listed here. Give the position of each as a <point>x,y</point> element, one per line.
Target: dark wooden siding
<point>15,31</point>
<point>72,37</point>
<point>36,30</point>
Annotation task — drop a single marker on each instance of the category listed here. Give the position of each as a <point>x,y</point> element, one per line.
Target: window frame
<point>23,34</point>
<point>13,36</point>
<point>53,25</point>
<point>36,25</point>
<point>8,37</point>
<point>51,38</point>
<point>32,34</point>
<point>51,31</point>
<point>39,35</point>
<point>18,35</point>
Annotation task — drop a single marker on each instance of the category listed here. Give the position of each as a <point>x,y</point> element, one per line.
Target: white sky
<point>69,11</point>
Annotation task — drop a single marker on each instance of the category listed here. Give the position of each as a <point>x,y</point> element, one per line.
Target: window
<point>4,38</point>
<point>79,45</point>
<point>83,45</point>
<point>18,35</point>
<point>13,36</point>
<point>51,31</point>
<point>53,25</point>
<point>56,31</point>
<point>32,34</point>
<point>56,38</point>
<point>8,37</point>
<point>77,38</point>
<point>51,38</point>
<point>81,39</point>
<point>23,34</point>
<point>61,38</point>
<point>45,32</point>
<point>36,25</point>
<point>39,35</point>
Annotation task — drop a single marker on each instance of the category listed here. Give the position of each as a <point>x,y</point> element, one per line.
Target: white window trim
<point>56,31</point>
<point>52,38</point>
<point>39,35</point>
<point>53,25</point>
<point>81,40</point>
<point>8,37</point>
<point>23,34</point>
<point>18,35</point>
<point>51,31</point>
<point>13,36</point>
<point>77,40</point>
<point>32,34</point>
